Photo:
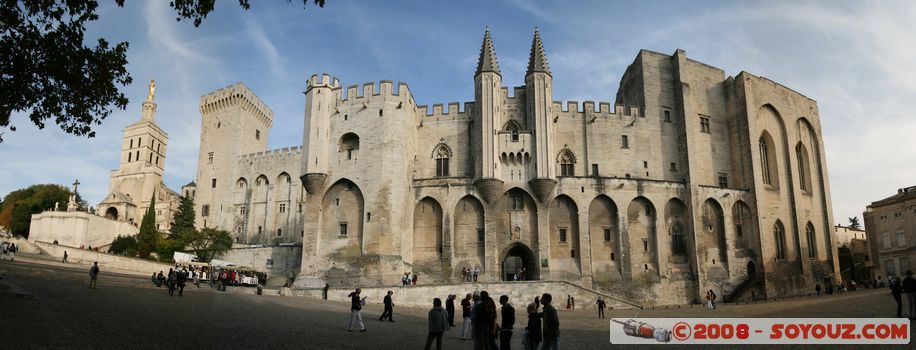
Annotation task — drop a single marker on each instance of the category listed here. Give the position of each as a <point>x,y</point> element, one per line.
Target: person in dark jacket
<point>438,324</point>
<point>508,322</point>
<point>601,306</point>
<point>484,321</point>
<point>182,278</point>
<point>173,281</point>
<point>356,316</point>
<point>450,309</point>
<point>909,287</point>
<point>466,316</point>
<point>534,328</point>
<point>894,284</point>
<point>389,308</point>
<point>551,324</point>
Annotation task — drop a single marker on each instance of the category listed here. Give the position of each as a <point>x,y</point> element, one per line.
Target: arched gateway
<point>517,257</point>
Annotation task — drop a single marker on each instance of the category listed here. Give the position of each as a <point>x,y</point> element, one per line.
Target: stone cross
<point>76,185</point>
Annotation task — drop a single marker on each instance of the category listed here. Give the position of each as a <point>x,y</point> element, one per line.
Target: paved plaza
<point>126,313</point>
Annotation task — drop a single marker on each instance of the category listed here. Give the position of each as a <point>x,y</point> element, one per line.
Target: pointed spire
<point>538,60</point>
<point>487,61</point>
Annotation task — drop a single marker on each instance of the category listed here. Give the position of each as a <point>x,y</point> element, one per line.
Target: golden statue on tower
<point>152,90</point>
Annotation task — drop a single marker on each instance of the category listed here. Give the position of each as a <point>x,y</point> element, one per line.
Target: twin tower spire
<point>537,62</point>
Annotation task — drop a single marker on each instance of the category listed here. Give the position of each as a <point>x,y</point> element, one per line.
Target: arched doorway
<point>112,213</point>
<point>519,257</point>
<point>751,270</point>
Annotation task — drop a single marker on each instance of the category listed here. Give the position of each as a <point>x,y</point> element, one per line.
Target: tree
<point>124,245</point>
<point>209,242</point>
<point>183,220</point>
<point>148,236</point>
<point>19,205</point>
<point>854,223</point>
<point>51,73</point>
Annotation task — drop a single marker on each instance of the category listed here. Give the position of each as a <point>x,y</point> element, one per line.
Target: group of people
<point>520,275</point>
<point>469,274</point>
<point>176,279</point>
<point>9,251</point>
<point>906,287</point>
<point>479,312</point>
<point>409,278</point>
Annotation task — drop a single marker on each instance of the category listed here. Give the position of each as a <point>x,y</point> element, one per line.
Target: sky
<point>857,59</point>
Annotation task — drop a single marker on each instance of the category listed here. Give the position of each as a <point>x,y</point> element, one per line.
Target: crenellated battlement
<point>453,110</point>
<point>279,153</point>
<point>359,93</point>
<point>323,80</point>
<point>588,107</point>
<point>236,95</point>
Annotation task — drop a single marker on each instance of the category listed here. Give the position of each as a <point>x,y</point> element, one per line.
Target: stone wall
<point>107,262</point>
<point>77,228</point>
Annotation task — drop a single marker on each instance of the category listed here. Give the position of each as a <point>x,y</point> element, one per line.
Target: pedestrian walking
<point>466,316</point>
<point>476,273</point>
<point>568,301</point>
<point>817,289</point>
<point>551,324</point>
<point>507,323</point>
<point>389,308</point>
<point>450,309</point>
<point>172,281</point>
<point>324,291</point>
<point>182,278</point>
<point>356,305</point>
<point>533,331</point>
<point>94,275</point>
<point>909,287</point>
<point>414,278</point>
<point>64,260</point>
<point>601,306</point>
<point>464,274</point>
<point>438,324</point>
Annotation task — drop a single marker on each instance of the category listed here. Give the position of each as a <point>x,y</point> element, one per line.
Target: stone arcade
<point>689,181</point>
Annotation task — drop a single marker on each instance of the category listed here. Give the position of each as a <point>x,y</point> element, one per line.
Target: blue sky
<point>857,59</point>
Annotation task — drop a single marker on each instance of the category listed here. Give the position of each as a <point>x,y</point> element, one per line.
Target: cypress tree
<point>183,219</point>
<point>146,239</point>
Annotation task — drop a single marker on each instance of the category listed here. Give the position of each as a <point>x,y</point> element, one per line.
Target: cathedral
<point>689,180</point>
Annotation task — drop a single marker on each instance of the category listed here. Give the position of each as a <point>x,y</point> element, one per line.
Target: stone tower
<point>539,99</point>
<point>234,122</point>
<point>139,173</point>
<point>488,101</point>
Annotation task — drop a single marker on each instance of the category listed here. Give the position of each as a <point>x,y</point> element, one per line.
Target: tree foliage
<point>50,73</point>
<point>854,223</point>
<point>18,206</point>
<point>209,242</point>
<point>183,220</point>
<point>124,245</point>
<point>149,235</point>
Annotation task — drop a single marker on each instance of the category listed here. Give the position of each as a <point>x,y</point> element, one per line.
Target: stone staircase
<point>520,293</point>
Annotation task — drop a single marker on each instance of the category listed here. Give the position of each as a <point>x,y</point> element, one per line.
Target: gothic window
<point>779,236</point>
<point>801,155</point>
<point>812,241</point>
<point>282,207</point>
<point>768,160</point>
<point>151,157</point>
<point>257,134</point>
<point>205,210</point>
<point>624,141</point>
<point>128,156</point>
<point>723,180</point>
<point>343,229</point>
<point>131,143</point>
<point>513,129</point>
<point>678,243</point>
<point>567,163</point>
<point>442,154</point>
<point>210,158</point>
<point>137,156</point>
<point>242,210</point>
<point>157,160</point>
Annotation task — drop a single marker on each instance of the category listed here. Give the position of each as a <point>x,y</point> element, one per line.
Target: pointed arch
<point>442,153</point>
<point>713,241</point>
<point>745,230</point>
<point>677,229</point>
<point>768,163</point>
<point>811,237</point>
<point>604,233</point>
<point>643,243</point>
<point>564,233</point>
<point>348,145</point>
<point>342,210</point>
<point>519,221</point>
<point>512,125</point>
<point>469,233</point>
<point>427,231</point>
<point>804,169</point>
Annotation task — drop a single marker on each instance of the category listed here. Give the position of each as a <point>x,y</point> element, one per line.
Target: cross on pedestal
<point>76,185</point>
